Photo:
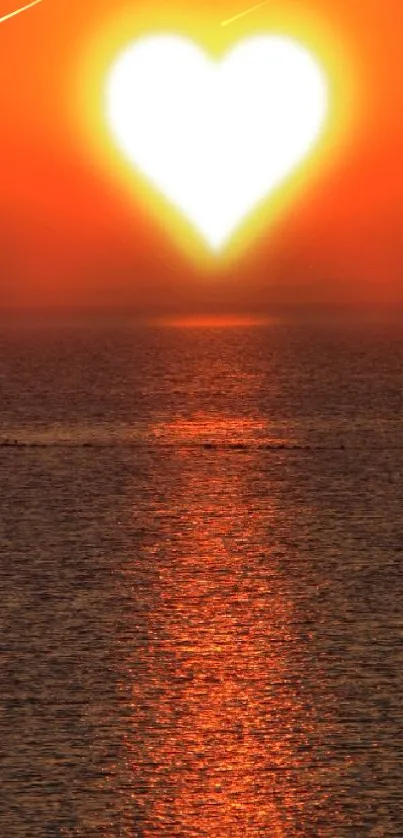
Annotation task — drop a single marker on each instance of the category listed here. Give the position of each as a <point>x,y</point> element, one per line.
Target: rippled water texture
<point>201,540</point>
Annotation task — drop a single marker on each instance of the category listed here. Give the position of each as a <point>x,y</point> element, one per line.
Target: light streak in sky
<point>18,11</point>
<point>242,14</point>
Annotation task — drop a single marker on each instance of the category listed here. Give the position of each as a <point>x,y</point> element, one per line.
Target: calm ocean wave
<point>201,542</point>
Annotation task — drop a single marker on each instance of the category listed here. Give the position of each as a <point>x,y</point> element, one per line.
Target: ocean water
<point>201,546</point>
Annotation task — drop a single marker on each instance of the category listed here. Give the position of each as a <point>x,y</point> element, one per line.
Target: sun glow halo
<point>215,138</point>
<point>97,72</point>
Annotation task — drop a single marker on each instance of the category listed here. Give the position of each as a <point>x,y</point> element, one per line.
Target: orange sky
<point>69,236</point>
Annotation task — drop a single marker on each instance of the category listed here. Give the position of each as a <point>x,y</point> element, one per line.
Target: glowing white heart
<point>215,138</point>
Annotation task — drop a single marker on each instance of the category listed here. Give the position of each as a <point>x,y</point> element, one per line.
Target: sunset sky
<point>72,235</point>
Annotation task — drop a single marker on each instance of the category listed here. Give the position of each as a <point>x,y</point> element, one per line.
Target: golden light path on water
<point>214,611</point>
<point>221,738</point>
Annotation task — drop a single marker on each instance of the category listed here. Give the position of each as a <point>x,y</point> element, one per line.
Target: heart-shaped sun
<point>215,138</point>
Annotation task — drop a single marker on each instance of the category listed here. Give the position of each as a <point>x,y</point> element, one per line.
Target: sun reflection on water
<point>227,731</point>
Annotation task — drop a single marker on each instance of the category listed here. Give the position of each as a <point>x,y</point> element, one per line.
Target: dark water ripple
<point>196,640</point>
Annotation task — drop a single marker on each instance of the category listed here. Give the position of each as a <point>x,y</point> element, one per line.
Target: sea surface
<point>201,582</point>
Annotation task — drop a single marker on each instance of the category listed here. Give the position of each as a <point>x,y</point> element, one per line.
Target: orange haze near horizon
<point>70,238</point>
